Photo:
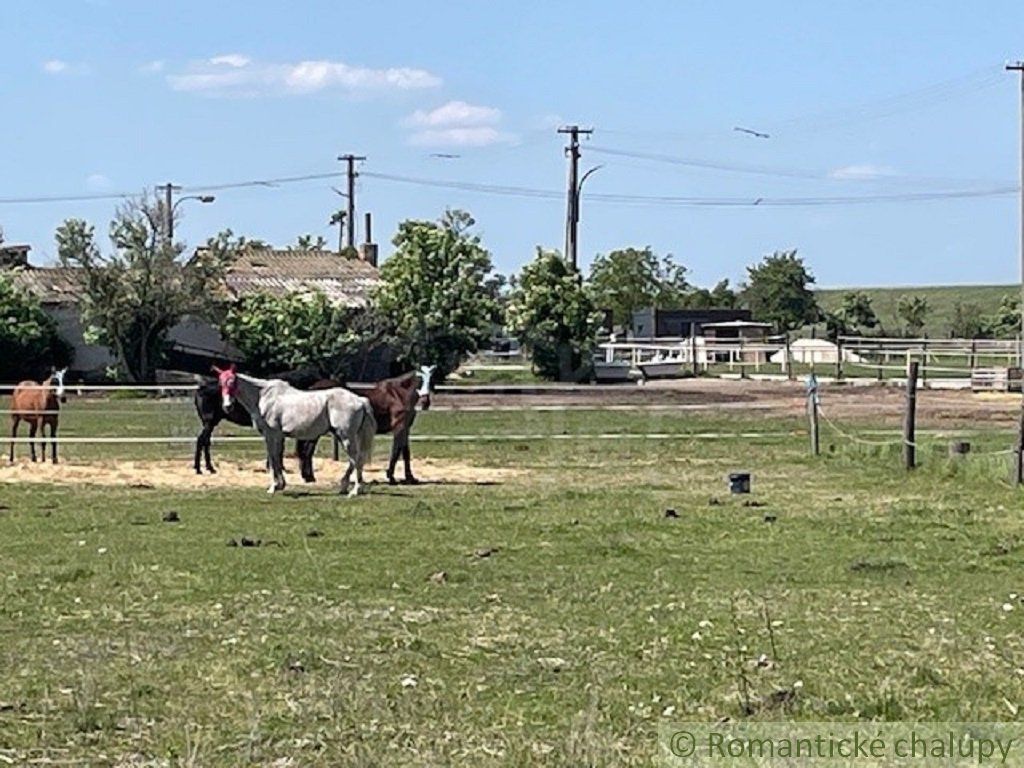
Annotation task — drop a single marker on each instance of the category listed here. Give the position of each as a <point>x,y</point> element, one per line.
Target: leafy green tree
<point>855,316</point>
<point>968,321</point>
<point>913,312</point>
<point>435,292</point>
<point>309,243</point>
<point>633,278</point>
<point>554,318</point>
<point>131,298</point>
<point>778,292</point>
<point>299,330</point>
<point>1004,323</point>
<point>719,297</point>
<point>29,341</point>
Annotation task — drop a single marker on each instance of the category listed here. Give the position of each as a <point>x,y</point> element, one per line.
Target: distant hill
<point>941,300</point>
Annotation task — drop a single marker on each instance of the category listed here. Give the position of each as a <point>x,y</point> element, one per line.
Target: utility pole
<point>1018,470</point>
<point>169,190</point>
<point>572,208</point>
<point>350,219</point>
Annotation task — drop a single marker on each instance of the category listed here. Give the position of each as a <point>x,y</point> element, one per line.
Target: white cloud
<point>470,136</point>
<point>231,60</point>
<point>62,67</point>
<point>455,113</point>
<point>862,171</point>
<point>97,182</point>
<point>458,124</point>
<point>152,67</point>
<point>236,75</point>
<point>549,121</point>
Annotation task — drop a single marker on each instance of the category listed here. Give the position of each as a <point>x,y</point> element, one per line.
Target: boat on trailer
<point>662,367</point>
<point>612,371</point>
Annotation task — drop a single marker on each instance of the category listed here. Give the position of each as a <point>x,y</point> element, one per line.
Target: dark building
<point>680,323</point>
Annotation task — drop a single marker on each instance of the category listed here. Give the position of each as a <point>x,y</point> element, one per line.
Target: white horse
<point>279,410</point>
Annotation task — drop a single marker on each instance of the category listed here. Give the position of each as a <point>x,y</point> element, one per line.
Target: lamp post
<point>170,204</point>
<point>574,238</point>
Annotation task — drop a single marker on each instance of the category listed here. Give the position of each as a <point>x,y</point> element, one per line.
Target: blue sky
<point>859,99</point>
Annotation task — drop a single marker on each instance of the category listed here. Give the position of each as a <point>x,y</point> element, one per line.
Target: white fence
<point>851,356</point>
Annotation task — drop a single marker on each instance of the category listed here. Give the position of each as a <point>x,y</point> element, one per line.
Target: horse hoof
<point>391,480</point>
<point>411,481</point>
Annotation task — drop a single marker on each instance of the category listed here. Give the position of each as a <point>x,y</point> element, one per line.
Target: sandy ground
<point>231,474</point>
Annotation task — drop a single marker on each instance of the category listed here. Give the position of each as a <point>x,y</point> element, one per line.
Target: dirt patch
<point>231,474</point>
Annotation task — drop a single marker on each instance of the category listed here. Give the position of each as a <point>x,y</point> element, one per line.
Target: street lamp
<point>180,200</point>
<point>170,204</point>
<point>576,213</point>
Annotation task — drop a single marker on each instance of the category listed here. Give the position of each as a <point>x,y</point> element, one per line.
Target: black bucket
<point>739,482</point>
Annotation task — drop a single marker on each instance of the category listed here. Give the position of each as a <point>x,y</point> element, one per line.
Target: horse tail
<point>366,432</point>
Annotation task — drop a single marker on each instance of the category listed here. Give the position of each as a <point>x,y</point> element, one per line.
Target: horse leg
<point>305,449</point>
<point>206,452</point>
<point>346,479</point>
<point>407,459</point>
<point>14,421</point>
<point>203,444</point>
<point>32,427</point>
<point>53,441</point>
<point>275,460</point>
<point>396,449</point>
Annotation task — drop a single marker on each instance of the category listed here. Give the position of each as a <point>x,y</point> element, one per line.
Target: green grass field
<point>941,302</point>
<point>573,615</point>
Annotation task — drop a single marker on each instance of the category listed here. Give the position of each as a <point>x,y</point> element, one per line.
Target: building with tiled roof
<point>194,342</point>
<point>346,281</point>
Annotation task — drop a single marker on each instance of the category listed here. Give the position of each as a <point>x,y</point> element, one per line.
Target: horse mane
<point>404,380</point>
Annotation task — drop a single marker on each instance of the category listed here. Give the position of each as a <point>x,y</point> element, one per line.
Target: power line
<point>264,182</point>
<point>255,183</point>
<point>551,194</point>
<point>763,170</point>
<point>65,198</point>
<point>697,201</point>
<point>847,115</point>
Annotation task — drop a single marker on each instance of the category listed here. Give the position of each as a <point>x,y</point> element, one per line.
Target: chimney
<point>14,256</point>
<point>368,249</point>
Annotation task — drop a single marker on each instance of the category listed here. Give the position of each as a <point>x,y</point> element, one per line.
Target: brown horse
<point>394,404</point>
<point>38,404</point>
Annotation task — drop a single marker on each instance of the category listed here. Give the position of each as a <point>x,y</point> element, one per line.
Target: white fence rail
<point>850,356</point>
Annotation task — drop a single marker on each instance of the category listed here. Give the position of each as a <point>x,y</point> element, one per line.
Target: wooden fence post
<point>839,358</point>
<point>909,417</point>
<point>924,362</point>
<point>1018,455</point>
<point>789,359</point>
<point>812,413</point>
<point>693,350</point>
